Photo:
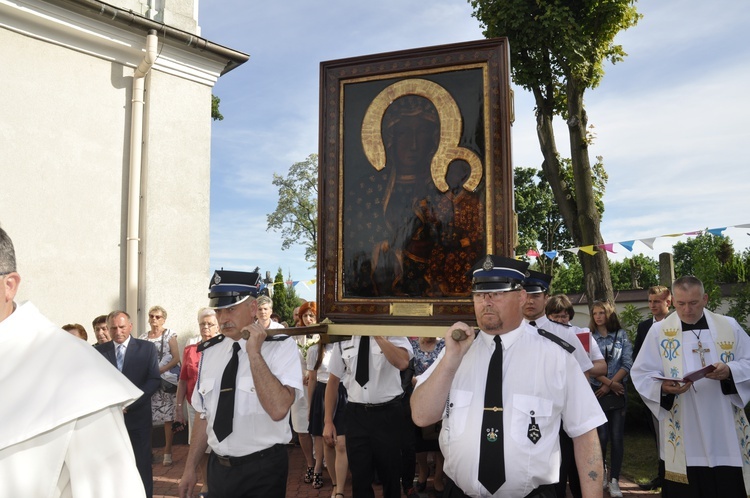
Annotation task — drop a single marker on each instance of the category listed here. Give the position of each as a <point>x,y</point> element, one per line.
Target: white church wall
<point>62,169</point>
<point>176,187</point>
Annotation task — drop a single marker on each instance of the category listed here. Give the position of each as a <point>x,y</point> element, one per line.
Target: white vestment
<point>708,424</point>
<point>62,432</point>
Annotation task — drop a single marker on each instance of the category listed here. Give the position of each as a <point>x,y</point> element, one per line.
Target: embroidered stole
<point>670,344</point>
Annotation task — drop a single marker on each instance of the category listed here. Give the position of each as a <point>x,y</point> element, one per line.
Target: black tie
<point>532,323</point>
<point>225,408</point>
<point>363,361</point>
<point>491,457</point>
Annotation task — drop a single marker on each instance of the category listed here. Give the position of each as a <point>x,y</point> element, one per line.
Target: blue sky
<point>671,120</point>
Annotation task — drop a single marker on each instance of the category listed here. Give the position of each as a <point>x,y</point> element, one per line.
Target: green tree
<point>636,272</point>
<point>285,298</point>
<point>629,319</point>
<point>568,278</point>
<point>707,257</point>
<point>215,114</point>
<point>557,51</point>
<point>296,213</point>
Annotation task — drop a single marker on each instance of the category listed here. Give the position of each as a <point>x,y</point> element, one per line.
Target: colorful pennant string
<point>628,244</point>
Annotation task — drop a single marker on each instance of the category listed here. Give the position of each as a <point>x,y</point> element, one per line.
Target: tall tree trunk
<point>578,211</point>
<point>598,281</point>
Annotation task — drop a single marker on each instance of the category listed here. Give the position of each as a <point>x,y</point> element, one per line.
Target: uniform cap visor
<point>225,295</point>
<point>495,285</point>
<point>534,289</point>
<point>218,302</point>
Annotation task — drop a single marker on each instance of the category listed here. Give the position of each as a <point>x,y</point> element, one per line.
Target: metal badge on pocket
<point>534,433</point>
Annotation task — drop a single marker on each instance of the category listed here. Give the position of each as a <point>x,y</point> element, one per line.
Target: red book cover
<point>691,376</point>
<point>584,338</point>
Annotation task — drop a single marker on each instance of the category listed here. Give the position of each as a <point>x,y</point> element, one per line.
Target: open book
<point>690,376</point>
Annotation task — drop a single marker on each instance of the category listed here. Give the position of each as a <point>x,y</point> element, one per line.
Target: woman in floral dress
<point>162,403</point>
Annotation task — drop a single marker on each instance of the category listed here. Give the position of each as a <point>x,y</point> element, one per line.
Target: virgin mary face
<point>413,142</point>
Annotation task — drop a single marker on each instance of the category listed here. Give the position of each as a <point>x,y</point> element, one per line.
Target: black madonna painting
<point>415,178</point>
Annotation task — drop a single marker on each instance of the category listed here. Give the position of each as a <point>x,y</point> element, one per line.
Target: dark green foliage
<point>215,114</point>
<point>630,317</point>
<point>285,298</point>
<point>636,272</point>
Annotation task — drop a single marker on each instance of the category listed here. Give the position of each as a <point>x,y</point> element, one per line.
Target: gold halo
<point>450,130</point>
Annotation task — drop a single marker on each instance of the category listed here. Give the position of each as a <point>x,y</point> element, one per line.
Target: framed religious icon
<point>415,181</point>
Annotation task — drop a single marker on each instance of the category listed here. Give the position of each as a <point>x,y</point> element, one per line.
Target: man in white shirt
<point>540,385</point>
<point>246,384</point>
<point>370,369</point>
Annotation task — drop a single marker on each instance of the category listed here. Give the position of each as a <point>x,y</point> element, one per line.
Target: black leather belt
<point>377,406</point>
<point>229,461</point>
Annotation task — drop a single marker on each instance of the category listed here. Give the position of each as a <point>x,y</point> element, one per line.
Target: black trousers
<point>141,441</point>
<point>705,482</point>
<point>453,491</point>
<point>373,441</point>
<point>261,477</point>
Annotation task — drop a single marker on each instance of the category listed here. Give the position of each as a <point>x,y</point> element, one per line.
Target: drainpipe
<point>134,186</point>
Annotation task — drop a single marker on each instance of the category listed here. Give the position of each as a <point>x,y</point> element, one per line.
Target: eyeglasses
<point>207,325</point>
<point>155,317</point>
<point>494,296</point>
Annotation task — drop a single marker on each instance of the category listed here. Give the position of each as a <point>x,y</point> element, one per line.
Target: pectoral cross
<point>701,352</point>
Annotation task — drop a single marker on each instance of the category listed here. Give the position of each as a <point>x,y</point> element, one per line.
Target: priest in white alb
<point>62,432</point>
<point>702,424</point>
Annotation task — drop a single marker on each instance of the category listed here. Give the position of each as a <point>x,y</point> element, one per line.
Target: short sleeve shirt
<point>254,430</point>
<point>385,379</point>
<point>542,384</point>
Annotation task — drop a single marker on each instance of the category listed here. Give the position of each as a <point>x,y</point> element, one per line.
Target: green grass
<point>641,461</point>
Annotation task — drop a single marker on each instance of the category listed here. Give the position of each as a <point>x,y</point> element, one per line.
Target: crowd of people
<point>524,405</point>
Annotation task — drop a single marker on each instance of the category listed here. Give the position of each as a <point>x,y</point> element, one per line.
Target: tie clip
<point>232,389</point>
<point>495,408</point>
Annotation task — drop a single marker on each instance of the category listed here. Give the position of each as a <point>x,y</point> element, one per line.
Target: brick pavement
<point>166,479</point>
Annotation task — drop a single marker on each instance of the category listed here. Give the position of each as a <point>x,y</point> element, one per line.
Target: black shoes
<point>655,483</point>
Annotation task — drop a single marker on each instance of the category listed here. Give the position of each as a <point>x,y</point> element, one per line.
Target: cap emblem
<point>217,279</point>
<point>488,264</point>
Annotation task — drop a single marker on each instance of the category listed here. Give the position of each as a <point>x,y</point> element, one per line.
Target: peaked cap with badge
<point>228,288</point>
<point>497,274</point>
<point>537,282</point>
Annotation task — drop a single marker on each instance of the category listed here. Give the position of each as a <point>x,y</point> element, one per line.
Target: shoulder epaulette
<point>211,342</point>
<point>277,337</point>
<point>557,340</point>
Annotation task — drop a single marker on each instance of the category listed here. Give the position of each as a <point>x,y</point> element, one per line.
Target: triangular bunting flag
<point>551,254</point>
<point>716,231</point>
<point>745,225</point>
<point>574,250</point>
<point>588,249</point>
<point>627,244</point>
<point>532,252</point>
<point>607,247</point>
<point>649,242</point>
